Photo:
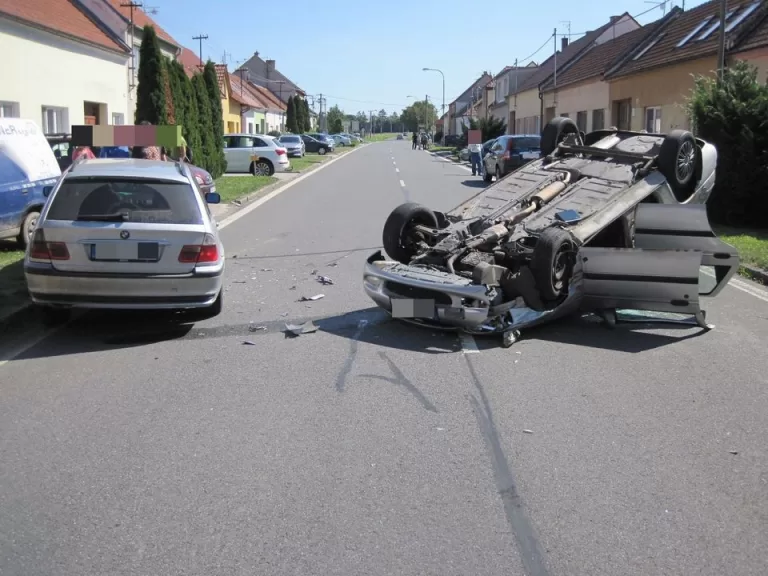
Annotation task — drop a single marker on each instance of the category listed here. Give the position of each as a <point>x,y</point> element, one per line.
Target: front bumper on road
<point>453,302</point>
<point>51,287</point>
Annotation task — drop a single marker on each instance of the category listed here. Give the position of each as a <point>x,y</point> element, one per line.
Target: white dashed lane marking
<point>402,183</point>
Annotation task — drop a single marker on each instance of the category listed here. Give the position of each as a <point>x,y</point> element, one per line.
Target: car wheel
<point>555,132</point>
<point>677,160</point>
<point>321,151</point>
<point>398,238</point>
<point>52,317</point>
<point>262,168</point>
<point>498,173</point>
<point>552,263</point>
<point>28,228</point>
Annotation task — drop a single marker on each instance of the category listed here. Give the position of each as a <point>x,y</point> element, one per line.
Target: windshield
<point>125,200</point>
<point>290,139</point>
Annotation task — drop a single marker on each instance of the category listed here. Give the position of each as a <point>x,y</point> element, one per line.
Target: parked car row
<point>506,154</point>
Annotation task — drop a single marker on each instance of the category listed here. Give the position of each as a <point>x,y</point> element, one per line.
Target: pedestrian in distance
<point>475,152</point>
<point>414,141</point>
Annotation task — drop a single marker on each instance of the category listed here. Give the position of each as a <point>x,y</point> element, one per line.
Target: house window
<point>622,113</point>
<point>598,119</point>
<point>55,120</point>
<point>653,119</point>
<point>565,115</point>
<point>9,110</point>
<point>117,119</point>
<point>581,120</point>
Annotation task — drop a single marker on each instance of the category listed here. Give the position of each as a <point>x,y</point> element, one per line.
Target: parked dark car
<point>327,138</point>
<point>508,153</point>
<point>316,146</point>
<point>451,140</point>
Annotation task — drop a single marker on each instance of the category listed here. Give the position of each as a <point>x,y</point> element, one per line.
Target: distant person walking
<point>475,157</point>
<point>424,141</point>
<point>415,141</point>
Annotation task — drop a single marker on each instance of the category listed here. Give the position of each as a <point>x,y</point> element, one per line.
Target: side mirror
<point>213,198</point>
<point>47,191</point>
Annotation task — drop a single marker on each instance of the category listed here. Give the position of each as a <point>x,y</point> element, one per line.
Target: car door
<point>492,158</point>
<point>262,149</point>
<point>676,260</point>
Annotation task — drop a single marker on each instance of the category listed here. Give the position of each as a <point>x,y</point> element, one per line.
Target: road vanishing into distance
<point>130,446</point>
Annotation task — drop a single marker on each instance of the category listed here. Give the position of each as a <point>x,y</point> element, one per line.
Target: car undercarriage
<point>603,221</point>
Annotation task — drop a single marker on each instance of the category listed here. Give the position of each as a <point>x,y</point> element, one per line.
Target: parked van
<point>28,172</point>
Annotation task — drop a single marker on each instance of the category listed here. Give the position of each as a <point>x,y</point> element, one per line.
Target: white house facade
<point>60,81</point>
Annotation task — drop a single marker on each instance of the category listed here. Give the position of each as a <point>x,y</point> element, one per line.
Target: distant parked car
<point>508,153</point>
<point>399,136</point>
<point>293,144</point>
<point>255,154</point>
<point>342,140</point>
<point>324,138</point>
<point>318,145</point>
<point>451,140</point>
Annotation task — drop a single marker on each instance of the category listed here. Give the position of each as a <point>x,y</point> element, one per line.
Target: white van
<point>28,172</point>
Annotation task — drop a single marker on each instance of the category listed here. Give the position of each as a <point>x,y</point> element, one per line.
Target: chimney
<point>563,42</point>
<point>270,64</point>
<point>256,53</point>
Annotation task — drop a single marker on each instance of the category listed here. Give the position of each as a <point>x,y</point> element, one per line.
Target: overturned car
<point>604,221</point>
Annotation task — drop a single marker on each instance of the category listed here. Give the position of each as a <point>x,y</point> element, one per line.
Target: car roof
<point>126,168</point>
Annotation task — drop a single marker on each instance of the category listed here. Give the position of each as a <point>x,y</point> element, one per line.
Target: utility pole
<point>721,47</point>
<point>132,5</point>
<point>426,113</point>
<point>225,56</point>
<point>554,80</point>
<point>200,38</point>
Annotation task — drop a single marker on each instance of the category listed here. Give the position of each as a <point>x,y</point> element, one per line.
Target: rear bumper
<point>283,166</point>
<point>51,287</point>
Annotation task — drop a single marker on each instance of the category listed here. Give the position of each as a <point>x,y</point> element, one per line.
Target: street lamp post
<point>443,109</point>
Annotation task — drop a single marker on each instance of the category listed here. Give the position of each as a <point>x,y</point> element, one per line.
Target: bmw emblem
<point>124,234</point>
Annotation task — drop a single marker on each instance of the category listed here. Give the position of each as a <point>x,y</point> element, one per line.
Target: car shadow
<point>479,183</point>
<point>588,331</point>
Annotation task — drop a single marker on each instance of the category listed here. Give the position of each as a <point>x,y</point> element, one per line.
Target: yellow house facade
<point>231,110</point>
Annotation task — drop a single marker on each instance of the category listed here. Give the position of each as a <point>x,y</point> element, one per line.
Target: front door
<point>622,114</point>
<point>511,123</point>
<point>677,259</point>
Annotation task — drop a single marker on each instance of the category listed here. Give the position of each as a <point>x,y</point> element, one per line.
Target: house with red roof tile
<point>649,86</point>
<point>61,66</point>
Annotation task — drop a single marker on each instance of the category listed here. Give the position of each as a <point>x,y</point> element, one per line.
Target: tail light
<point>205,253</point>
<point>199,179</point>
<point>39,249</point>
<point>280,151</point>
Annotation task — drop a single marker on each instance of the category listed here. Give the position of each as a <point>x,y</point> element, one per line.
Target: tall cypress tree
<point>290,116</point>
<point>307,117</point>
<point>298,105</point>
<point>150,91</point>
<point>218,161</point>
<point>208,140</point>
<point>192,128</point>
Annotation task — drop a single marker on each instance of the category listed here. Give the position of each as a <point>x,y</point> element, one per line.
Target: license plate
<point>413,308</point>
<point>530,155</point>
<point>125,251</point>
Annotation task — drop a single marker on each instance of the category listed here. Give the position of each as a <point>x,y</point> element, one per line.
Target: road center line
<point>397,170</point>
<point>402,183</point>
<point>468,344</point>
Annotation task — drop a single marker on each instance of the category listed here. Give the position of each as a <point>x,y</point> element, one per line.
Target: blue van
<point>28,171</point>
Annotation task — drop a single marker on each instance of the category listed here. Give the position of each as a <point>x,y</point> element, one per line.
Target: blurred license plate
<point>413,308</point>
<point>119,251</point>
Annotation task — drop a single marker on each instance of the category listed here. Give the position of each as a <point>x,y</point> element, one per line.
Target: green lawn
<point>751,244</point>
<point>308,161</point>
<point>234,187</point>
<point>13,289</point>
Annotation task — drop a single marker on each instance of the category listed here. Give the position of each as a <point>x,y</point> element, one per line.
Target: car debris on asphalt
<point>311,298</point>
<point>324,280</point>
<point>294,330</point>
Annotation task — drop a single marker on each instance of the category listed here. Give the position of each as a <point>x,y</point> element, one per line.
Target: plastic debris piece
<point>284,314</point>
<point>298,329</point>
<point>266,269</point>
<point>253,328</point>
<point>311,298</point>
<point>333,264</point>
<point>526,431</point>
<point>324,280</point>
<point>292,287</point>
<point>734,452</point>
<point>238,281</point>
<point>313,272</point>
<point>248,343</point>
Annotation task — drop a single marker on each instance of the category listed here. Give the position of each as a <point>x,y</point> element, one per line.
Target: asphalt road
<point>370,447</point>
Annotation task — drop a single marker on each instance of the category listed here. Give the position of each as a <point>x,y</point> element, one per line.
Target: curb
<point>755,274</point>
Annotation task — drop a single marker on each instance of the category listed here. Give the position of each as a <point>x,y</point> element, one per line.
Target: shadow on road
<point>479,183</point>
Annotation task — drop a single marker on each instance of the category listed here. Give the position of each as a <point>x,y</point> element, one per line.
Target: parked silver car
<point>293,144</point>
<point>125,234</point>
<point>257,154</point>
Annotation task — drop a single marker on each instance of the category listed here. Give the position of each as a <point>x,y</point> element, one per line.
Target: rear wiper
<point>116,217</point>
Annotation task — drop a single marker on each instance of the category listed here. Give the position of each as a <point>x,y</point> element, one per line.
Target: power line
<point>636,16</point>
<point>539,50</point>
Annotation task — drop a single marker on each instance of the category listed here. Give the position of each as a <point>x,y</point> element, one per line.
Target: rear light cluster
<point>39,249</point>
<point>205,253</point>
<point>280,151</point>
<point>199,179</point>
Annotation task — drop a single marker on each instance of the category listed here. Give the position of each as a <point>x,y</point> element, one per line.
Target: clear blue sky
<point>369,54</point>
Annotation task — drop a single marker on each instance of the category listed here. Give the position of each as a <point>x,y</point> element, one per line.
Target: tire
<point>498,173</point>
<point>554,133</point>
<point>487,177</point>
<point>27,228</point>
<point>552,263</point>
<point>321,151</point>
<point>395,238</point>
<point>52,317</point>
<point>677,160</point>
<point>262,168</point>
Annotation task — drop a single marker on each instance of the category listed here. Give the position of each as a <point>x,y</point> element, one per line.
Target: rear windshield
<point>525,143</point>
<point>125,200</point>
<point>289,139</point>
